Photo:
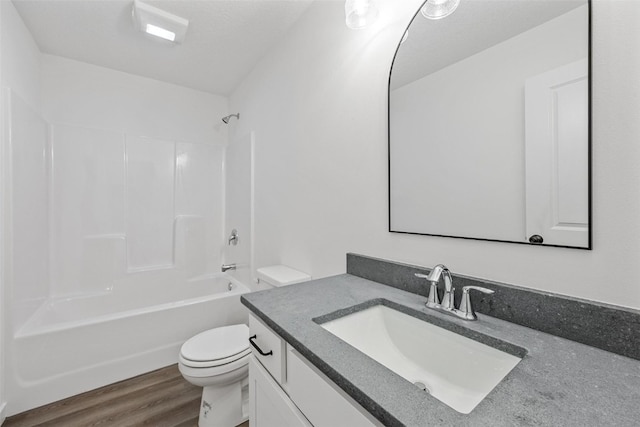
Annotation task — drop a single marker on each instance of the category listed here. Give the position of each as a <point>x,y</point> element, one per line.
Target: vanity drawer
<point>320,400</point>
<point>269,343</point>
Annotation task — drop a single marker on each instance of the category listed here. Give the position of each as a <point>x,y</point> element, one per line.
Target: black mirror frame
<point>589,150</point>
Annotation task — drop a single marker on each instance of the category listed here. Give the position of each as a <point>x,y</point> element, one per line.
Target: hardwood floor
<point>160,398</point>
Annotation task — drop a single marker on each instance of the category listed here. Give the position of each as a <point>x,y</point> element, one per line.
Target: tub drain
<point>422,386</point>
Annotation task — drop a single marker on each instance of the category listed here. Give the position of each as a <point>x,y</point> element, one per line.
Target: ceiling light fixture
<point>438,9</point>
<point>159,23</point>
<point>360,13</point>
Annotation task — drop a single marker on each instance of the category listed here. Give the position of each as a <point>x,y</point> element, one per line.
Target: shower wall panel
<point>88,186</point>
<point>29,200</point>
<point>137,182</point>
<point>124,205</point>
<point>149,201</point>
<point>198,206</point>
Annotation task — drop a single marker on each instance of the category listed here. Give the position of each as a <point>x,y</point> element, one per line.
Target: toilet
<point>218,360</point>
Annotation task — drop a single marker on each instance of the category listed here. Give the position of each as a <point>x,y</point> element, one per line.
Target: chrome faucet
<point>447,302</point>
<point>226,267</point>
<point>448,299</point>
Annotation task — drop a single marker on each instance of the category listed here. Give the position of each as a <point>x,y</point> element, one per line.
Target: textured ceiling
<point>225,39</point>
<point>475,26</point>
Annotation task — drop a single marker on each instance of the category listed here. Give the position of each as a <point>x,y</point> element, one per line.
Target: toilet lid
<point>218,343</point>
<point>225,364</point>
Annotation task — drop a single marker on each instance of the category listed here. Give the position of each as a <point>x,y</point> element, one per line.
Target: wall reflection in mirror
<point>489,124</point>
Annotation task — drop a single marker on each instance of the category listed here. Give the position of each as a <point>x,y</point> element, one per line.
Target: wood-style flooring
<point>160,398</point>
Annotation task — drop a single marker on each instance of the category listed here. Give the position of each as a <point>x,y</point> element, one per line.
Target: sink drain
<point>422,386</point>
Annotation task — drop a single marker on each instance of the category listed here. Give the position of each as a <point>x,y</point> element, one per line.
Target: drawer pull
<point>253,337</point>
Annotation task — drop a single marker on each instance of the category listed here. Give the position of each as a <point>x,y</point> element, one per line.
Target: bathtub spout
<point>226,267</point>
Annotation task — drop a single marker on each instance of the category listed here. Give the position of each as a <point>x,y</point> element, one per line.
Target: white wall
<point>448,126</point>
<point>317,103</point>
<point>137,176</point>
<point>20,88</point>
<point>20,58</point>
<point>80,94</point>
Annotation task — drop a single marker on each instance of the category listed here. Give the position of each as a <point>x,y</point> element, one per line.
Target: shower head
<point>226,119</point>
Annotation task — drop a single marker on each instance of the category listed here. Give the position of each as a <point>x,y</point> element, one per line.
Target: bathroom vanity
<point>312,377</point>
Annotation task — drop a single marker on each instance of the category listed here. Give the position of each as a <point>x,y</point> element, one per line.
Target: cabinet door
<point>269,405</point>
<point>323,403</point>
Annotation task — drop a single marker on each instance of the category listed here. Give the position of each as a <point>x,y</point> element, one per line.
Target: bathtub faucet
<point>226,267</point>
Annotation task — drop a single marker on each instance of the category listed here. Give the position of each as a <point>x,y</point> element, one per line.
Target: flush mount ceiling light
<point>159,23</point>
<point>438,9</point>
<point>360,13</point>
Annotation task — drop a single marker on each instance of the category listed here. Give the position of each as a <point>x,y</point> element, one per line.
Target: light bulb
<point>360,13</point>
<point>438,9</point>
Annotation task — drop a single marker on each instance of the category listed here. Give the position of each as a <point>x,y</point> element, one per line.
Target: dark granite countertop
<point>558,382</point>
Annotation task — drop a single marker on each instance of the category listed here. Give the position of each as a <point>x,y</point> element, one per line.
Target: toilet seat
<point>216,351</point>
<point>220,371</point>
<point>215,344</point>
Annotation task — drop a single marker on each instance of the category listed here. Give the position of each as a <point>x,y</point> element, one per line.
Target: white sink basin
<point>456,370</point>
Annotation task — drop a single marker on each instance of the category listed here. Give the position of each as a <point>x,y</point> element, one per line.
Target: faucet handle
<point>466,309</point>
<point>432,299</point>
<point>233,238</point>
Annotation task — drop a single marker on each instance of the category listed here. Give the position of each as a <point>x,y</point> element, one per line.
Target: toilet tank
<point>280,275</point>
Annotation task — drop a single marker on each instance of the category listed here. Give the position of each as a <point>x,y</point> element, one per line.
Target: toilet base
<point>224,406</point>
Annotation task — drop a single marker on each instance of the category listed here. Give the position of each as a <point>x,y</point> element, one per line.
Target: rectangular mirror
<point>489,123</point>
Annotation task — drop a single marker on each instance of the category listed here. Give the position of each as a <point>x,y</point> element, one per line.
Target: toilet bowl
<point>217,360</point>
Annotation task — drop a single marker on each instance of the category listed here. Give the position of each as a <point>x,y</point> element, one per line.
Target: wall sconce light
<point>438,9</point>
<point>159,23</point>
<point>360,13</point>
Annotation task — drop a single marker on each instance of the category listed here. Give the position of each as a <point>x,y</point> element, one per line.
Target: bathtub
<point>77,344</point>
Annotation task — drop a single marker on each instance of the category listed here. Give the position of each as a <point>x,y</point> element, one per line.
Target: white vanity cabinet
<point>285,390</point>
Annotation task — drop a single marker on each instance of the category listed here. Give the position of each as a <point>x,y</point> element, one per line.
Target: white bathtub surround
<point>239,206</point>
<point>124,204</point>
<point>73,345</point>
<point>19,70</point>
<point>27,146</point>
<point>117,206</point>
